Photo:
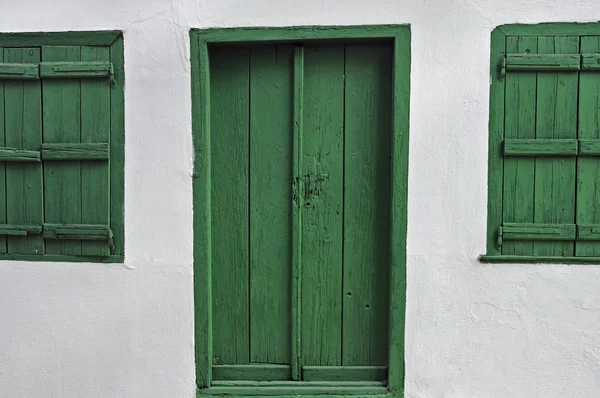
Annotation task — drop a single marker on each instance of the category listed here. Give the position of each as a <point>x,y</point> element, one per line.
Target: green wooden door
<point>300,204</point>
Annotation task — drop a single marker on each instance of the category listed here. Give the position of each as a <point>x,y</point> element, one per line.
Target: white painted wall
<point>472,330</point>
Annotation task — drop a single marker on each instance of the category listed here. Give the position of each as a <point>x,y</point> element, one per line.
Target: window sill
<point>61,258</point>
<point>538,260</point>
<point>304,389</point>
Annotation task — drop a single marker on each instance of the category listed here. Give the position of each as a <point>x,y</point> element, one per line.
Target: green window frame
<point>543,144</point>
<point>62,146</point>
<point>200,42</point>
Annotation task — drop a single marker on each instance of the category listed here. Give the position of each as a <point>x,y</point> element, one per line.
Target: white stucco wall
<point>472,330</point>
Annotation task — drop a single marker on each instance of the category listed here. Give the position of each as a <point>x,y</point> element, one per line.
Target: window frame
<point>496,135</point>
<point>200,40</point>
<point>114,40</point>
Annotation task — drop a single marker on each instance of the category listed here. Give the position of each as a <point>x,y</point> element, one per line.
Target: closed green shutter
<point>300,164</point>
<point>59,105</point>
<point>550,147</point>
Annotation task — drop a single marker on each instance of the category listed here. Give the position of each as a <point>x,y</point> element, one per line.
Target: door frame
<point>199,40</point>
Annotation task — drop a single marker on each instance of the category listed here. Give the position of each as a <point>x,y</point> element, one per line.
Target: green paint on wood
<point>19,155</point>
<point>262,372</point>
<point>95,136</point>
<point>588,167</point>
<point>18,71</point>
<point>297,189</point>
<point>542,147</point>
<point>271,115</point>
<point>97,110</point>
<point>3,247</point>
<point>309,91</point>
<point>344,373</point>
<point>538,231</point>
<point>556,118</point>
<point>543,61</point>
<point>23,123</point>
<point>62,124</point>
<point>367,160</point>
<point>230,148</point>
<point>90,66</point>
<point>80,38</point>
<point>322,217</point>
<point>589,147</point>
<point>519,124</point>
<point>117,147</point>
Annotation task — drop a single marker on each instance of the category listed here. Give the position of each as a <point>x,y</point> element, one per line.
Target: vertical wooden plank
<point>62,124</point>
<point>23,123</point>
<point>271,118</point>
<point>95,127</point>
<point>495,156</point>
<point>556,117</point>
<point>117,147</point>
<point>298,187</point>
<point>200,73</point>
<point>518,203</point>
<point>322,162</point>
<point>367,153</point>
<point>399,198</point>
<point>229,73</point>
<point>588,167</point>
<point>3,210</point>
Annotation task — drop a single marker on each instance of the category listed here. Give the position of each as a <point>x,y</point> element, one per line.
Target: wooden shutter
<point>76,99</point>
<point>300,141</point>
<point>551,147</point>
<point>21,200</point>
<point>540,146</point>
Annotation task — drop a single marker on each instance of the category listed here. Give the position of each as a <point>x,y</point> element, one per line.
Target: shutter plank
<point>23,121</point>
<point>543,61</point>
<point>366,205</point>
<point>322,162</point>
<point>556,118</point>
<point>538,231</point>
<point>95,130</point>
<point>3,246</point>
<point>518,193</point>
<point>271,80</point>
<point>588,167</point>
<point>229,70</point>
<point>541,147</point>
<point>62,121</point>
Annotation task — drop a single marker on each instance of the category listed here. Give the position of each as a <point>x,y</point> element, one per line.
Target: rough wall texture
<point>472,330</point>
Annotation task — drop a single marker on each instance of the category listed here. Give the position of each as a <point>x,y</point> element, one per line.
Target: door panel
<point>271,80</point>
<point>323,168</point>
<point>367,146</point>
<point>229,230</point>
<point>344,219</point>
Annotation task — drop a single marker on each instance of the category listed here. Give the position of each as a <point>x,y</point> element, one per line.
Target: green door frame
<point>200,39</point>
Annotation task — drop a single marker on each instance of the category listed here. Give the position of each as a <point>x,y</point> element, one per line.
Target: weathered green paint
<point>588,167</point>
<point>366,241</point>
<point>81,122</point>
<point>546,123</point>
<point>230,147</point>
<point>539,259</point>
<point>117,147</point>
<point>270,193</point>
<point>19,71</point>
<point>344,373</point>
<point>91,151</point>
<point>19,155</point>
<point>541,147</point>
<point>23,123</point>
<point>322,201</point>
<point>305,88</point>
<point>543,62</point>
<point>255,372</point>
<point>89,66</point>
<point>62,124</point>
<point>20,230</point>
<point>297,188</point>
<point>71,38</point>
